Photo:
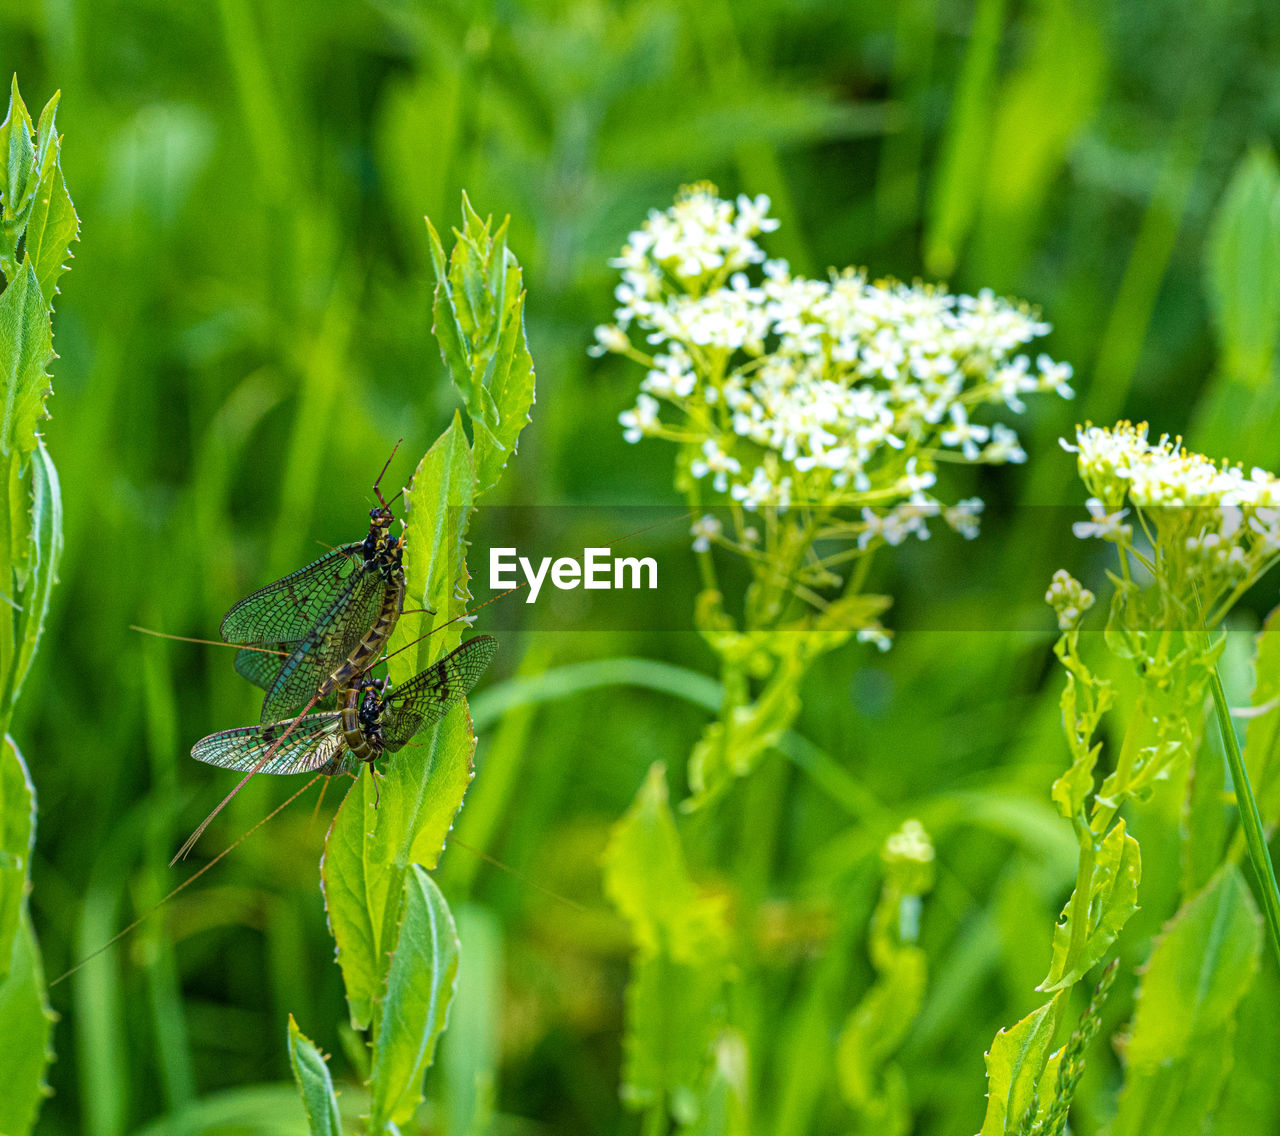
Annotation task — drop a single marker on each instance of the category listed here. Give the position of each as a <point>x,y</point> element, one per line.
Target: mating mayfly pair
<point>317,633</point>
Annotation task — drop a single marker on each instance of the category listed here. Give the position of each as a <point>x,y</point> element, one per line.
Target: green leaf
<point>17,838</point>
<point>1202,964</point>
<point>1262,736</point>
<point>721,754</point>
<point>40,567</point>
<point>28,1027</point>
<point>479,323</point>
<point>957,186</point>
<point>1016,1063</point>
<point>1179,1051</point>
<point>723,1108</point>
<point>371,845</point>
<point>52,224</point>
<point>26,346</point>
<point>17,152</point>
<point>314,1083</point>
<point>874,1090</point>
<point>379,831</point>
<point>420,985</point>
<point>1042,108</point>
<point>1113,897</point>
<point>1244,268</point>
<point>1175,1099</point>
<point>438,506</point>
<point>509,381</point>
<point>675,996</point>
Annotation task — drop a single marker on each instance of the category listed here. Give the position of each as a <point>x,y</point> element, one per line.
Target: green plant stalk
<point>1250,819</point>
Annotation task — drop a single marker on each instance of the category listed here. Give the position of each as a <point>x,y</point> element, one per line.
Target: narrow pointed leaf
<point>44,551</point>
<point>1202,965</point>
<point>675,997</point>
<point>17,838</point>
<point>1016,1063</point>
<point>52,228</point>
<point>1180,1050</point>
<point>1113,898</point>
<point>28,1029</point>
<point>420,985</point>
<point>314,1083</point>
<point>26,346</point>
<point>1244,267</point>
<point>378,832</point>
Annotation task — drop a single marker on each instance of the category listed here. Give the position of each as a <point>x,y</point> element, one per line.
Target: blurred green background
<point>246,331</point>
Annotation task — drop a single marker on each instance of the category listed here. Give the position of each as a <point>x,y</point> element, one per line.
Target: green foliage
<point>1112,899</point>
<point>37,226</point>
<point>24,1011</point>
<point>874,1086</point>
<point>1262,739</point>
<point>1243,277</point>
<point>479,322</point>
<point>28,1025</point>
<point>17,839</point>
<point>396,941</point>
<point>246,334</point>
<point>1179,1051</point>
<point>311,1072</point>
<point>419,987</point>
<point>676,993</point>
<point>1019,1069</point>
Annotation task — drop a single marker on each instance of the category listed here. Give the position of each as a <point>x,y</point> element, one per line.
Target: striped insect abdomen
<point>353,730</point>
<point>369,649</point>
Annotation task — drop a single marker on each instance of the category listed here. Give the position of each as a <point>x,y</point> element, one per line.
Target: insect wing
<point>262,667</point>
<point>315,742</point>
<point>288,609</point>
<point>329,644</point>
<point>427,697</point>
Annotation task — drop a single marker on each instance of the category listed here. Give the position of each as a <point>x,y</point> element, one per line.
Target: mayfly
<point>329,620</point>
<point>368,723</point>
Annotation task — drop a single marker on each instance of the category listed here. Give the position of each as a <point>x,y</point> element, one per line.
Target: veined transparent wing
<point>427,697</point>
<point>335,636</point>
<point>262,667</point>
<point>315,742</point>
<point>287,609</point>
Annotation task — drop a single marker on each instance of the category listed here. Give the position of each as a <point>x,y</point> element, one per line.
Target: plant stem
<point>655,1120</point>
<point>1250,819</point>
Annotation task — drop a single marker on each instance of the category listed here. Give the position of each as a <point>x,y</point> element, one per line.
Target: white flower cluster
<point>817,393</point>
<point>1210,524</point>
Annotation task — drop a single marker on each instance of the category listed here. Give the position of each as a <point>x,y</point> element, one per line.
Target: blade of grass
<point>1250,819</point>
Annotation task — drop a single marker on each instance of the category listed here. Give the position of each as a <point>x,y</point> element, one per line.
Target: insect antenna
<point>378,482</point>
<point>512,872</point>
<point>208,642</point>
<point>187,882</point>
<point>320,799</point>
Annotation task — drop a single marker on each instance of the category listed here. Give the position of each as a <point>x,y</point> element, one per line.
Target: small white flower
<point>1004,446</point>
<point>753,215</point>
<point>964,433</point>
<point>964,517</point>
<point>715,461</point>
<point>1055,376</point>
<point>1104,525</point>
<point>877,636</point>
<point>705,530</point>
<point>609,338</point>
<point>640,421</point>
